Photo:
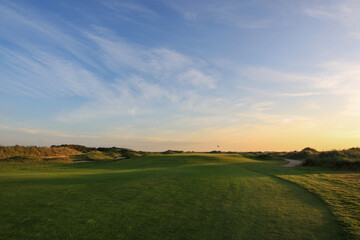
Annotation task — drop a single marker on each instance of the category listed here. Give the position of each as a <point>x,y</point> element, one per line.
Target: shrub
<point>214,151</point>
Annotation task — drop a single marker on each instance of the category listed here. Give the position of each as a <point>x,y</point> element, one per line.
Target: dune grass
<point>177,196</point>
<point>63,153</point>
<point>337,159</point>
<point>34,151</point>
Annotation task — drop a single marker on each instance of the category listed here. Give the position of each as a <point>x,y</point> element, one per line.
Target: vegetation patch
<point>93,155</point>
<point>23,151</point>
<point>264,155</point>
<point>172,152</point>
<point>112,152</point>
<point>302,155</point>
<point>340,191</point>
<point>345,159</point>
<point>348,159</point>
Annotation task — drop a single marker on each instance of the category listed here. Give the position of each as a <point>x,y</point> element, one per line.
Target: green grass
<point>177,196</point>
<point>340,191</point>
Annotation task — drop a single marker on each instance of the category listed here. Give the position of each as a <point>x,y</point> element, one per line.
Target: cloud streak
<point>139,74</point>
<point>345,12</point>
<point>227,12</point>
<point>100,73</point>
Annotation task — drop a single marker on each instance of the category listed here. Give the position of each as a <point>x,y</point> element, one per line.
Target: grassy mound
<point>22,159</point>
<point>76,147</point>
<point>344,159</point>
<point>93,155</point>
<point>33,151</point>
<point>111,152</point>
<point>35,159</point>
<point>172,152</point>
<point>264,155</point>
<point>302,155</point>
<point>63,153</point>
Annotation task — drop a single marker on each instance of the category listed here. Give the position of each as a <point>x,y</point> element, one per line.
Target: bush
<point>214,151</point>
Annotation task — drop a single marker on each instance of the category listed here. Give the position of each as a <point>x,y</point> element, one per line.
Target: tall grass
<point>108,151</point>
<point>34,151</point>
<point>348,159</point>
<point>303,154</point>
<point>344,159</point>
<point>94,155</point>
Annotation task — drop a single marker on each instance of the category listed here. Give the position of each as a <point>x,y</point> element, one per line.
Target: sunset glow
<point>190,75</point>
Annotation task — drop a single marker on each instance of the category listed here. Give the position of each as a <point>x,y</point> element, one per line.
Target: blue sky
<point>191,75</point>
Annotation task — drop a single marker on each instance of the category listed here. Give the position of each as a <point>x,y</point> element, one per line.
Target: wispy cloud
<point>301,94</point>
<point>333,79</point>
<point>34,131</point>
<point>128,10</point>
<point>100,75</point>
<point>227,12</point>
<point>197,79</point>
<point>117,138</point>
<point>345,12</point>
<point>139,74</point>
<point>39,74</point>
<point>18,21</point>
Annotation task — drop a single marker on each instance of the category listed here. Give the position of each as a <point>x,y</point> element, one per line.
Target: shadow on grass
<point>178,166</point>
<point>210,160</point>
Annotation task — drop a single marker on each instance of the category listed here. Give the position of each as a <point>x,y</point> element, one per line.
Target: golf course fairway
<point>175,196</point>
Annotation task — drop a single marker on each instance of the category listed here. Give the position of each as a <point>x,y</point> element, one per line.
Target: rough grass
<point>303,154</point>
<point>177,196</point>
<point>64,153</point>
<point>33,151</point>
<point>340,191</point>
<point>94,155</point>
<point>109,151</point>
<point>345,159</point>
<point>348,159</point>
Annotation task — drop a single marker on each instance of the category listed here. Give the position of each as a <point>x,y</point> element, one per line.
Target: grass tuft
<point>345,159</point>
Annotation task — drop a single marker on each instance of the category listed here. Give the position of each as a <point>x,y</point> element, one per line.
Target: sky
<point>244,75</point>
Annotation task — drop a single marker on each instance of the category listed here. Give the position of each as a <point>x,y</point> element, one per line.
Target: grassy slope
<point>344,159</point>
<point>160,197</point>
<point>340,190</point>
<point>12,151</point>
